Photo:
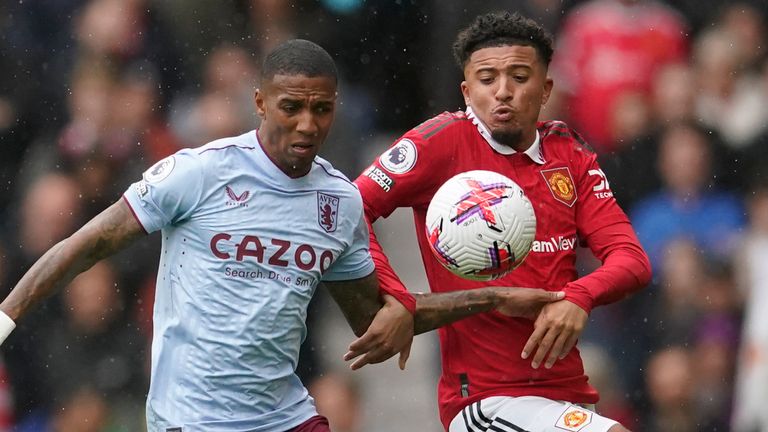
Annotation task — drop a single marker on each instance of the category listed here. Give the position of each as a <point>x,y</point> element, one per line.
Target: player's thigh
<point>529,414</point>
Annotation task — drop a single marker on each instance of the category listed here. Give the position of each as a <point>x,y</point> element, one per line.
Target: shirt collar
<point>533,152</point>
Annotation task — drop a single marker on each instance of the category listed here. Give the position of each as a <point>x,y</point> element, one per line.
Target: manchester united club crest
<point>327,211</point>
<point>574,419</point>
<point>560,184</point>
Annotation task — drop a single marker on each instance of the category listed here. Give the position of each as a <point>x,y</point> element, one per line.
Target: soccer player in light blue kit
<point>251,225</point>
<point>245,244</point>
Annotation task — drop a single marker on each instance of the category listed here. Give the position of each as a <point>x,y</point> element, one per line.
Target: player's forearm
<point>361,319</point>
<point>56,267</point>
<point>625,268</point>
<point>438,309</point>
<point>358,300</point>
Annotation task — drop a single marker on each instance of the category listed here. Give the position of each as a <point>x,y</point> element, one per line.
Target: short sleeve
<point>168,191</point>
<point>408,173</point>
<point>355,262</point>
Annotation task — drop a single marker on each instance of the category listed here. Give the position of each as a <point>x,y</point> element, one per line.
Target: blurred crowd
<point>673,96</point>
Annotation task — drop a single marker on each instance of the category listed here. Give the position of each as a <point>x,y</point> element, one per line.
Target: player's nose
<point>307,124</point>
<point>503,91</point>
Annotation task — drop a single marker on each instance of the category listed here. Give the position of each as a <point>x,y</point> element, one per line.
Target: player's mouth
<point>302,148</point>
<point>502,114</point>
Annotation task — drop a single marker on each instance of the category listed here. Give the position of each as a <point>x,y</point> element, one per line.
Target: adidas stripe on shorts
<point>527,414</point>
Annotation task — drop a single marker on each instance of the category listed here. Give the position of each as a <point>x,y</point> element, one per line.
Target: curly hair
<point>500,29</point>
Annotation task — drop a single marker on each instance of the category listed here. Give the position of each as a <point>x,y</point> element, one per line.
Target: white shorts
<point>527,414</point>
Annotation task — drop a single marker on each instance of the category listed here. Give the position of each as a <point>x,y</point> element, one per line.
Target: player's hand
<point>556,331</point>
<point>525,302</point>
<point>391,332</point>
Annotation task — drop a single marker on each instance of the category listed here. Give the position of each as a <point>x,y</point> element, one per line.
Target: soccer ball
<point>480,225</point>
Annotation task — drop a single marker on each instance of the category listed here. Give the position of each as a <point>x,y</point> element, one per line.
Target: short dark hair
<point>299,57</point>
<point>499,29</point>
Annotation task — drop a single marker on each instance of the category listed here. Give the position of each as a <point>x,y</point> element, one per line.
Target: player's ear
<point>258,99</point>
<point>465,92</point>
<point>548,84</point>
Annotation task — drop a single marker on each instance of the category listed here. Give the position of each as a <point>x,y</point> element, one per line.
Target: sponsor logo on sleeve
<point>141,188</point>
<point>602,190</point>
<point>327,211</point>
<point>380,177</point>
<point>400,158</point>
<point>560,184</point>
<point>160,171</point>
<point>574,419</point>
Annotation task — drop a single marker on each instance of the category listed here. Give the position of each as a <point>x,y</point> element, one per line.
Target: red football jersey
<point>573,203</point>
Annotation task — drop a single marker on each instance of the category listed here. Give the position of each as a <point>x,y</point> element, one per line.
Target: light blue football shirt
<point>243,248</point>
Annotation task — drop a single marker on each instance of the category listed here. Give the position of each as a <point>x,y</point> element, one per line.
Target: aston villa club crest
<point>561,185</point>
<point>327,211</point>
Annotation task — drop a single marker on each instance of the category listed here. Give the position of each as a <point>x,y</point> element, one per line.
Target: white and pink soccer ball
<point>480,225</point>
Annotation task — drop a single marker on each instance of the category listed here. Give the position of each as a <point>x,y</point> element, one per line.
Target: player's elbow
<point>635,266</point>
<point>632,257</point>
<point>642,270</point>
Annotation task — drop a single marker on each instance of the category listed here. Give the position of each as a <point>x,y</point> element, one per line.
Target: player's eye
<point>521,78</point>
<point>323,109</point>
<point>486,80</point>
<point>290,108</point>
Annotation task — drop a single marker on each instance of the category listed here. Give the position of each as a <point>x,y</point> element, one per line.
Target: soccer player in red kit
<point>501,373</point>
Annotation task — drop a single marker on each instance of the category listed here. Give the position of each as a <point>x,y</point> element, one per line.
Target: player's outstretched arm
<point>438,309</point>
<point>108,232</point>
<point>384,329</point>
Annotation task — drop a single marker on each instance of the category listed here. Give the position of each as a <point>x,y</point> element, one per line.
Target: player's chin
<point>508,135</point>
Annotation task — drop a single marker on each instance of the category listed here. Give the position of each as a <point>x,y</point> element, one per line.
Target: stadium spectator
<point>727,100</point>
<point>671,386</point>
<point>688,204</point>
<point>93,331</point>
<point>222,105</point>
<point>49,209</point>
<point>603,373</point>
<point>122,32</point>
<point>338,397</point>
<point>608,47</point>
<point>714,351</point>
<point>674,94</point>
<point>83,410</point>
<point>752,363</point>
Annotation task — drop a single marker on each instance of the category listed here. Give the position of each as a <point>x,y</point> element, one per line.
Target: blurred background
<point>672,95</point>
